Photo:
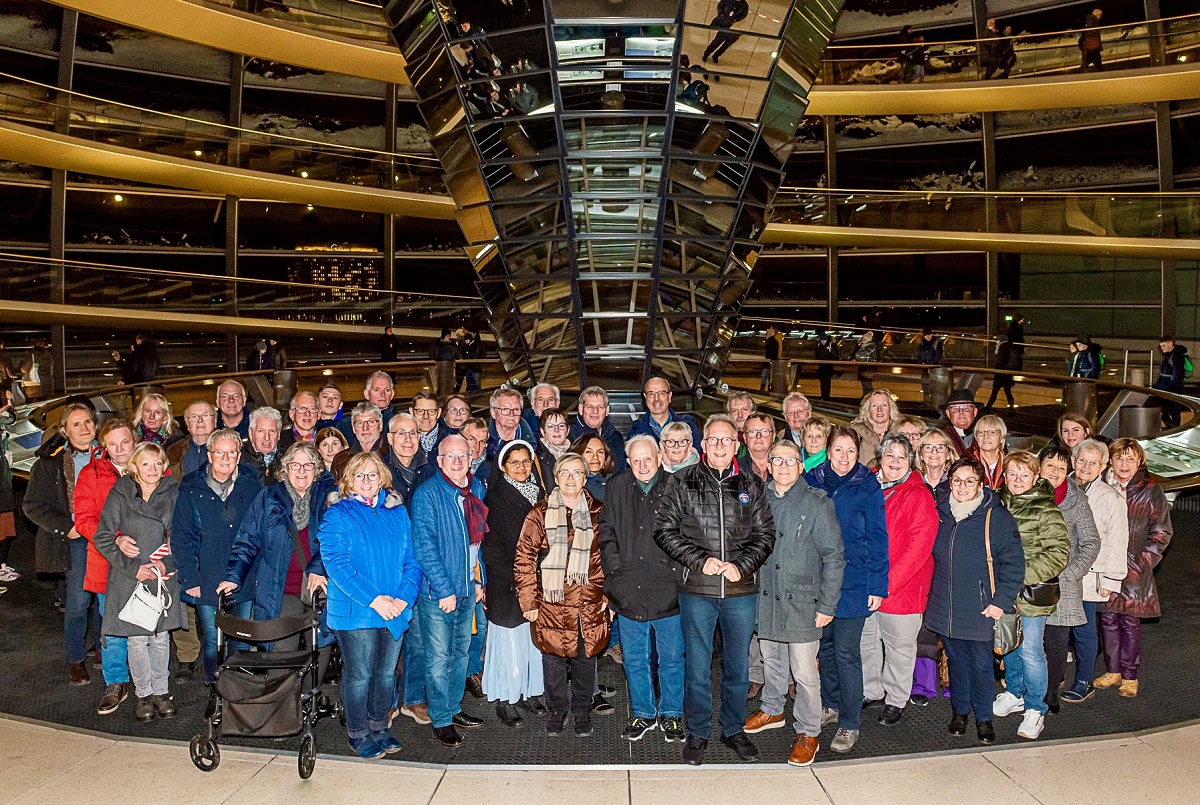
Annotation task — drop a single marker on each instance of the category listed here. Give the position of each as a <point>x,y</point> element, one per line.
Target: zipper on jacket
<point>721,520</point>
<point>950,619</point>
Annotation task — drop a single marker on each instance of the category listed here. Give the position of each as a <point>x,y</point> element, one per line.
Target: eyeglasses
<point>657,394</point>
<point>722,441</point>
<point>959,409</point>
<point>572,474</point>
<point>230,397</point>
<point>457,411</point>
<point>675,444</point>
<point>987,433</point>
<point>595,409</point>
<point>425,412</point>
<point>934,448</point>
<point>309,466</point>
<point>760,432</point>
<point>455,456</point>
<point>507,411</point>
<point>964,482</point>
<point>474,440</point>
<point>784,461</point>
<point>367,423</point>
<point>1086,462</point>
<point>366,476</point>
<point>547,401</point>
<point>225,453</point>
<point>518,462</point>
<point>405,434</point>
<point>197,417</point>
<point>307,409</point>
<point>556,426</point>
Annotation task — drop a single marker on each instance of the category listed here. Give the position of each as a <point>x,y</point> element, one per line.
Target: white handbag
<point>144,609</point>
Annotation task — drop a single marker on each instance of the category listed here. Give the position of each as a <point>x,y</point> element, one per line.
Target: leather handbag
<point>144,609</point>
<point>1008,627</point>
<point>1043,594</point>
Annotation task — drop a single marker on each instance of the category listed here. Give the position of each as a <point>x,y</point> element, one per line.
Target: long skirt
<point>512,667</point>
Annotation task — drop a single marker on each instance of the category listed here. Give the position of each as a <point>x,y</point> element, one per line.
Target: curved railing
<point>191,137</point>
<point>1171,40</point>
<point>350,18</point>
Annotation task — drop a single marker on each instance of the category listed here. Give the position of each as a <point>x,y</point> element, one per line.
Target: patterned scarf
<point>300,505</point>
<point>429,439</point>
<point>148,435</point>
<point>528,488</point>
<point>474,509</point>
<point>557,452</point>
<point>569,557</point>
<point>886,485</point>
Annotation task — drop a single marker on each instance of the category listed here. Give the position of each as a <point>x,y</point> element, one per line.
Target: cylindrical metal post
<point>1139,422</point>
<point>779,376</point>
<point>1079,397</point>
<point>284,381</point>
<point>937,384</point>
<point>1137,377</point>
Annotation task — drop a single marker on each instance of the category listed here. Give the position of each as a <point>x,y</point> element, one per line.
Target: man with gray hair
<point>261,448</point>
<point>304,412</point>
<point>506,425</point>
<point>591,417</point>
<point>232,411</point>
<point>379,392</point>
<point>188,455</point>
<point>541,397</point>
<point>366,423</point>
<point>640,582</point>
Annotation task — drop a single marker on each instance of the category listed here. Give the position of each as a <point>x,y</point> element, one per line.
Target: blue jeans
<point>1087,646</point>
<point>972,686</point>
<point>447,641</point>
<point>412,680</point>
<point>641,638</point>
<point>475,656</point>
<point>368,683</point>
<point>1025,669</point>
<point>206,621</point>
<point>76,604</point>
<point>699,616</point>
<point>114,652</point>
<point>840,656</point>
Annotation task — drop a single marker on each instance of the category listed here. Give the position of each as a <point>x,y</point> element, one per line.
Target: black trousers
<point>1091,57</point>
<point>582,682</point>
<point>1001,382</point>
<point>719,44</point>
<point>1055,643</point>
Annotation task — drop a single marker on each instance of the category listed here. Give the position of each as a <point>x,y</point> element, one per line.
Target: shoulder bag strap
<point>987,542</point>
<point>300,551</point>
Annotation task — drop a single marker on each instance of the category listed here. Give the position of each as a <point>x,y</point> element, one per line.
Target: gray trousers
<point>149,664</point>
<point>756,660</point>
<point>889,655</point>
<point>781,663</point>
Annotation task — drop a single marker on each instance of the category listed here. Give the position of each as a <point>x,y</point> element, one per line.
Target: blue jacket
<point>961,586</point>
<point>611,437</point>
<point>495,442</point>
<point>532,422</point>
<point>368,552</point>
<point>203,529</point>
<point>646,425</point>
<point>263,548</point>
<point>440,538</point>
<point>859,504</point>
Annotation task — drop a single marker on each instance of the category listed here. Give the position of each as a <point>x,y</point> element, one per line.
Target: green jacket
<point>1043,536</point>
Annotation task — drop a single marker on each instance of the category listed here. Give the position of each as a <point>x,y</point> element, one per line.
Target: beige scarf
<point>569,557</point>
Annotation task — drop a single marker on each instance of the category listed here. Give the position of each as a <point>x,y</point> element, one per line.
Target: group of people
<point>497,557</point>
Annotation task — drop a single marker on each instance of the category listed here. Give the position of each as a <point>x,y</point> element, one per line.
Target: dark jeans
<point>368,678</point>
<point>972,684</point>
<point>412,679</point>
<point>582,680</point>
<point>719,44</point>
<point>699,617</point>
<point>475,654</point>
<point>447,638</point>
<point>840,656</point>
<point>77,603</point>
<point>641,639</point>
<point>1087,645</point>
<point>206,619</point>
<point>1122,644</point>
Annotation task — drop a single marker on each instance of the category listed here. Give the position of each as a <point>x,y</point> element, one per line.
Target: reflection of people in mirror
<point>728,13</point>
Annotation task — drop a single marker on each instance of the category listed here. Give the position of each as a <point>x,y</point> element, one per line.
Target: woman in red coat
<point>889,639</point>
<point>95,481</point>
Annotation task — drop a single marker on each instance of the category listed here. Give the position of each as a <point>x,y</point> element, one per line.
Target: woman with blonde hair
<point>814,437</point>
<point>988,449</point>
<point>877,417</point>
<point>153,421</point>
<point>678,449</point>
<point>935,454</point>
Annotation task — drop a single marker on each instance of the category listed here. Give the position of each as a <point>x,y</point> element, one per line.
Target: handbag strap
<point>298,549</point>
<point>987,543</point>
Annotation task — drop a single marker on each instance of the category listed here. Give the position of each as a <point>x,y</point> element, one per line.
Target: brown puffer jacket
<point>557,629</point>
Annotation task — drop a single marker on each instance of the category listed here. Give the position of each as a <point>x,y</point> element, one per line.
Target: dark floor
<point>34,686</point>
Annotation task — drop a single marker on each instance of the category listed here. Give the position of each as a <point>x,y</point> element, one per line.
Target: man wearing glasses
<point>542,398</point>
<point>427,412</point>
<point>716,522</point>
<point>657,395</point>
<point>379,393</point>
<point>506,425</point>
<point>188,455</point>
<point>591,416</point>
<point>303,413</point>
<point>449,523</point>
<point>961,411</point>
<point>366,425</point>
<point>232,411</point>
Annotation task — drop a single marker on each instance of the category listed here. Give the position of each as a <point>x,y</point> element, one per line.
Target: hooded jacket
<point>912,526</point>
<point>1044,538</point>
<point>1149,534</point>
<point>860,512</point>
<point>1173,371</point>
<point>702,516</point>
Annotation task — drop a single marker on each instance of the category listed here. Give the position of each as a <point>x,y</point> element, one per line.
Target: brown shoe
<point>1107,680</point>
<point>475,685</point>
<point>803,750</point>
<point>95,660</point>
<point>417,712</point>
<point>163,706</point>
<point>761,722</point>
<point>1128,688</point>
<point>113,696</point>
<point>144,711</point>
<point>754,689</point>
<point>77,674</point>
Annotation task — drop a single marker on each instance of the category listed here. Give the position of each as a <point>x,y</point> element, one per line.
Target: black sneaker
<point>601,706</point>
<point>742,746</point>
<point>693,750</point>
<point>958,724</point>
<point>672,728</point>
<point>637,728</point>
<point>583,728</point>
<point>466,720</point>
<point>607,690</point>
<point>554,725</point>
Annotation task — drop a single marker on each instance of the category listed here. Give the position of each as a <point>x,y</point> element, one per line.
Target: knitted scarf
<point>557,452</point>
<point>429,439</point>
<point>569,556</point>
<point>474,509</point>
<point>961,509</point>
<point>300,505</point>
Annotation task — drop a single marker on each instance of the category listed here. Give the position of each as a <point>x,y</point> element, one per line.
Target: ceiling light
<point>303,174</point>
<point>198,152</point>
<point>118,197</point>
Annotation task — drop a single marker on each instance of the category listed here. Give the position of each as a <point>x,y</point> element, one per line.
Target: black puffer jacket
<point>639,579</point>
<point>730,519</point>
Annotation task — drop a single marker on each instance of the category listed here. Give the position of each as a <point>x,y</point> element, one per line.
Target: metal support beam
<point>389,220</point>
<point>58,201</point>
<point>991,184</point>
<point>1166,184</point>
<point>831,252</point>
<point>233,350</point>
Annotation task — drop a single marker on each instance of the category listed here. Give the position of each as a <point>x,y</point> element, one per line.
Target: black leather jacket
<point>730,519</point>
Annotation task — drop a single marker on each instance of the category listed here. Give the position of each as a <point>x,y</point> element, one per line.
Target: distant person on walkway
<point>1171,374</point>
<point>470,348</point>
<point>729,12</point>
<point>277,352</point>
<point>140,363</point>
<point>259,358</point>
<point>772,351</point>
<point>444,353</point>
<point>989,50</point>
<point>867,352</point>
<point>912,60</point>
<point>826,350</point>
<point>1086,360</point>
<point>1008,52</point>
<point>931,348</point>
<point>389,346</point>
<point>1006,360</point>
<point>1090,44</point>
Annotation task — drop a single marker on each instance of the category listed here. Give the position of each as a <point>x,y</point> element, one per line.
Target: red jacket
<point>912,525</point>
<point>91,490</point>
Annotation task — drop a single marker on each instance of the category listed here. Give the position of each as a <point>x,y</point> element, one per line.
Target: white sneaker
<point>8,574</point>
<point>1031,725</point>
<point>1006,704</point>
<point>829,716</point>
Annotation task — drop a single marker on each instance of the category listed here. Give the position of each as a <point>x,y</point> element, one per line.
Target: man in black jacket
<point>640,582</point>
<point>716,522</point>
<point>50,504</point>
<point>728,13</point>
<point>1171,375</point>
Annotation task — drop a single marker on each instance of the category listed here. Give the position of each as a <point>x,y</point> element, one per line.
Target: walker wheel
<point>206,755</point>
<point>307,758</point>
